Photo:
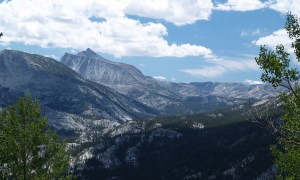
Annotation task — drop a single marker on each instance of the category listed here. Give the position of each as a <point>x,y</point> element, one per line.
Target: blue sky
<point>172,40</point>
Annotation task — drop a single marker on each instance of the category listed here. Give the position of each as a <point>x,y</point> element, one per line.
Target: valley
<point>121,124</point>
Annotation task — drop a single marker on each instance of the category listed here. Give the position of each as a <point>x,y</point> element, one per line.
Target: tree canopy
<point>28,149</point>
<point>280,71</point>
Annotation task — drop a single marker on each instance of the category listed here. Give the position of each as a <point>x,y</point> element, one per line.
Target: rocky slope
<point>68,99</point>
<point>73,102</point>
<point>216,145</point>
<point>102,102</point>
<point>124,78</point>
<point>166,97</point>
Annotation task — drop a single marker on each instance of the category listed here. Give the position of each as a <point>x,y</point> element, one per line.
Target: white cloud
<point>255,32</point>
<point>67,24</point>
<point>173,79</point>
<point>238,65</point>
<point>240,5</point>
<point>178,12</point>
<point>282,6</point>
<point>160,78</point>
<point>285,6</point>
<point>252,82</point>
<point>207,72</point>
<point>277,37</point>
<point>280,36</point>
<point>220,67</point>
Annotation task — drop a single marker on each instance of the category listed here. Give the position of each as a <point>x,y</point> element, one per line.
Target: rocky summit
<point>119,122</point>
<point>85,88</point>
<point>165,97</point>
<point>68,99</point>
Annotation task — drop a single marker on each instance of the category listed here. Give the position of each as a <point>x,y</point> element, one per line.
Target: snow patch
<point>196,125</point>
<point>258,103</point>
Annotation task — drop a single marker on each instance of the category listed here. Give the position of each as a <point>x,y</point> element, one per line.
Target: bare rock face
<point>103,101</point>
<point>124,78</point>
<point>98,69</point>
<point>166,97</point>
<point>106,90</point>
<point>68,99</point>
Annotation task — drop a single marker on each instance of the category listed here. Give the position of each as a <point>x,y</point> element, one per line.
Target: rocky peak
<point>88,53</point>
<point>96,68</point>
<point>62,92</point>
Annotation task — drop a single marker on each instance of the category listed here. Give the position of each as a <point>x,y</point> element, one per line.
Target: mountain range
<point>121,124</point>
<point>168,98</point>
<point>86,87</point>
<point>68,99</point>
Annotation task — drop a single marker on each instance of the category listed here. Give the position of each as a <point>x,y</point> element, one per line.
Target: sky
<point>170,40</point>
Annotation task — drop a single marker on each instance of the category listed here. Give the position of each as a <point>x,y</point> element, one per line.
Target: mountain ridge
<point>62,90</point>
<point>150,91</point>
<point>113,129</point>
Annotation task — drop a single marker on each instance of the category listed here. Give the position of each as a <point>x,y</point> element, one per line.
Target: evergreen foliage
<point>199,152</point>
<point>228,147</point>
<point>27,149</point>
<point>280,72</point>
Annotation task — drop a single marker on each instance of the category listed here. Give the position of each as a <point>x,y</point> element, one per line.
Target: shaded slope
<point>166,97</point>
<point>58,88</point>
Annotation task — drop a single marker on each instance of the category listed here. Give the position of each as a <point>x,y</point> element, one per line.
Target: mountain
<point>166,97</point>
<point>124,78</point>
<point>107,113</point>
<point>69,100</point>
<point>215,145</point>
<point>96,68</point>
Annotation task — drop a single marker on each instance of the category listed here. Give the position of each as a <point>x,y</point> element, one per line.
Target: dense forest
<point>171,148</point>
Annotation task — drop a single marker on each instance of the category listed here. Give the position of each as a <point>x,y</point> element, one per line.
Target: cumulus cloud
<point>280,36</point>
<point>240,5</point>
<point>69,24</point>
<point>252,82</point>
<point>221,66</point>
<point>177,12</point>
<point>282,6</point>
<point>285,6</point>
<point>277,37</point>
